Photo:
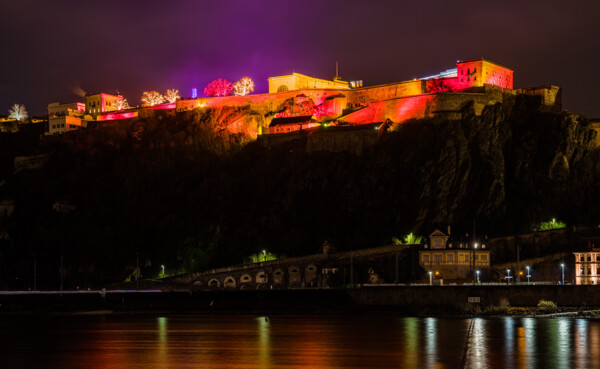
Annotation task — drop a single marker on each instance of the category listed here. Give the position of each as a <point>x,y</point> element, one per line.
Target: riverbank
<point>414,300</point>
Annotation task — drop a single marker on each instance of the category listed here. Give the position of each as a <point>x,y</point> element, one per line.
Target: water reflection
<point>298,342</point>
<point>509,334</point>
<point>478,342</point>
<point>430,342</point>
<point>530,332</point>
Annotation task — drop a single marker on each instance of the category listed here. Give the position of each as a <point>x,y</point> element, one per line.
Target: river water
<point>173,342</point>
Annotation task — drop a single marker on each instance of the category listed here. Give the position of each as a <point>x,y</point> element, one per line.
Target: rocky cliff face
<point>184,187</point>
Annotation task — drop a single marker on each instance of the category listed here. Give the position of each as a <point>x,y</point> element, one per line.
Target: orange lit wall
<point>363,96</point>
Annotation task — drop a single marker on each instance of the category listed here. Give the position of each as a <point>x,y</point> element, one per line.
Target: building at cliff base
<point>447,257</point>
<point>587,264</point>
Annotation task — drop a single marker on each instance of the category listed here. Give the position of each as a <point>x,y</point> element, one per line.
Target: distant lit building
<point>65,117</point>
<point>587,264</point>
<point>96,104</point>
<point>452,258</point>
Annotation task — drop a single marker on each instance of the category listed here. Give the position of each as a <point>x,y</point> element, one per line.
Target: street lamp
<point>477,276</point>
<point>563,273</point>
<point>508,276</point>
<point>528,275</point>
<point>163,270</point>
<point>430,278</point>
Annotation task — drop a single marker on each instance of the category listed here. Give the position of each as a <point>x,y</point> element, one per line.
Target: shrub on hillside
<point>547,306</point>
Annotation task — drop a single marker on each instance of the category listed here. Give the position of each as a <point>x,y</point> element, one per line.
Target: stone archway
<point>310,274</point>
<point>261,277</point>
<point>245,279</point>
<point>282,88</point>
<point>278,276</point>
<point>214,283</point>
<point>294,276</point>
<point>229,282</point>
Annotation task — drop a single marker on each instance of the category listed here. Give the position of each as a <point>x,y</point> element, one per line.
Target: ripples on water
<point>297,342</point>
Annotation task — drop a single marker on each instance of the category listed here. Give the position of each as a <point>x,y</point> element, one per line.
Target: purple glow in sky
<point>54,50</point>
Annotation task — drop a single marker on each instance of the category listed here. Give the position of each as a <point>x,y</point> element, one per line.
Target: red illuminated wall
<point>115,116</point>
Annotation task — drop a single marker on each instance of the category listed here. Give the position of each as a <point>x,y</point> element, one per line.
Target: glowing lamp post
<point>477,276</point>
<point>528,275</point>
<point>508,276</point>
<point>563,273</point>
<point>162,267</point>
<point>430,278</point>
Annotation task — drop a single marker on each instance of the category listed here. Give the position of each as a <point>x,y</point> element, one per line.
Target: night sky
<point>55,50</point>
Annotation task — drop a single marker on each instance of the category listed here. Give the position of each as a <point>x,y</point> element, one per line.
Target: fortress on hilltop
<point>336,103</point>
<point>300,104</point>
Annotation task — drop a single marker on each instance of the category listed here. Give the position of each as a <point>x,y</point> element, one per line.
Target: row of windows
<point>62,125</point>
<point>589,271</point>
<point>589,258</point>
<point>450,258</point>
<point>93,103</point>
<point>469,71</point>
<point>438,244</point>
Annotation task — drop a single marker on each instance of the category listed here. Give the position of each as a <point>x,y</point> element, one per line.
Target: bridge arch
<point>310,274</point>
<point>261,277</point>
<point>229,282</point>
<point>245,279</point>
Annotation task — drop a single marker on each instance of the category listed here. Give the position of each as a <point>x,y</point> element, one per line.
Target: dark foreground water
<point>297,342</point>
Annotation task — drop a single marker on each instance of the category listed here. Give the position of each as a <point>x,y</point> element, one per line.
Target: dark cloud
<point>52,48</point>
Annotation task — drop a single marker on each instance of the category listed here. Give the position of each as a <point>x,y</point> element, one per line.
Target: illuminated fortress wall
<point>297,81</point>
<point>478,72</point>
<point>366,95</point>
<point>478,81</point>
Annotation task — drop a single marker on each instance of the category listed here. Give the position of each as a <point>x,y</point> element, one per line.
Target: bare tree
<point>150,98</point>
<point>243,87</point>
<point>172,95</point>
<point>121,104</point>
<point>18,112</point>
